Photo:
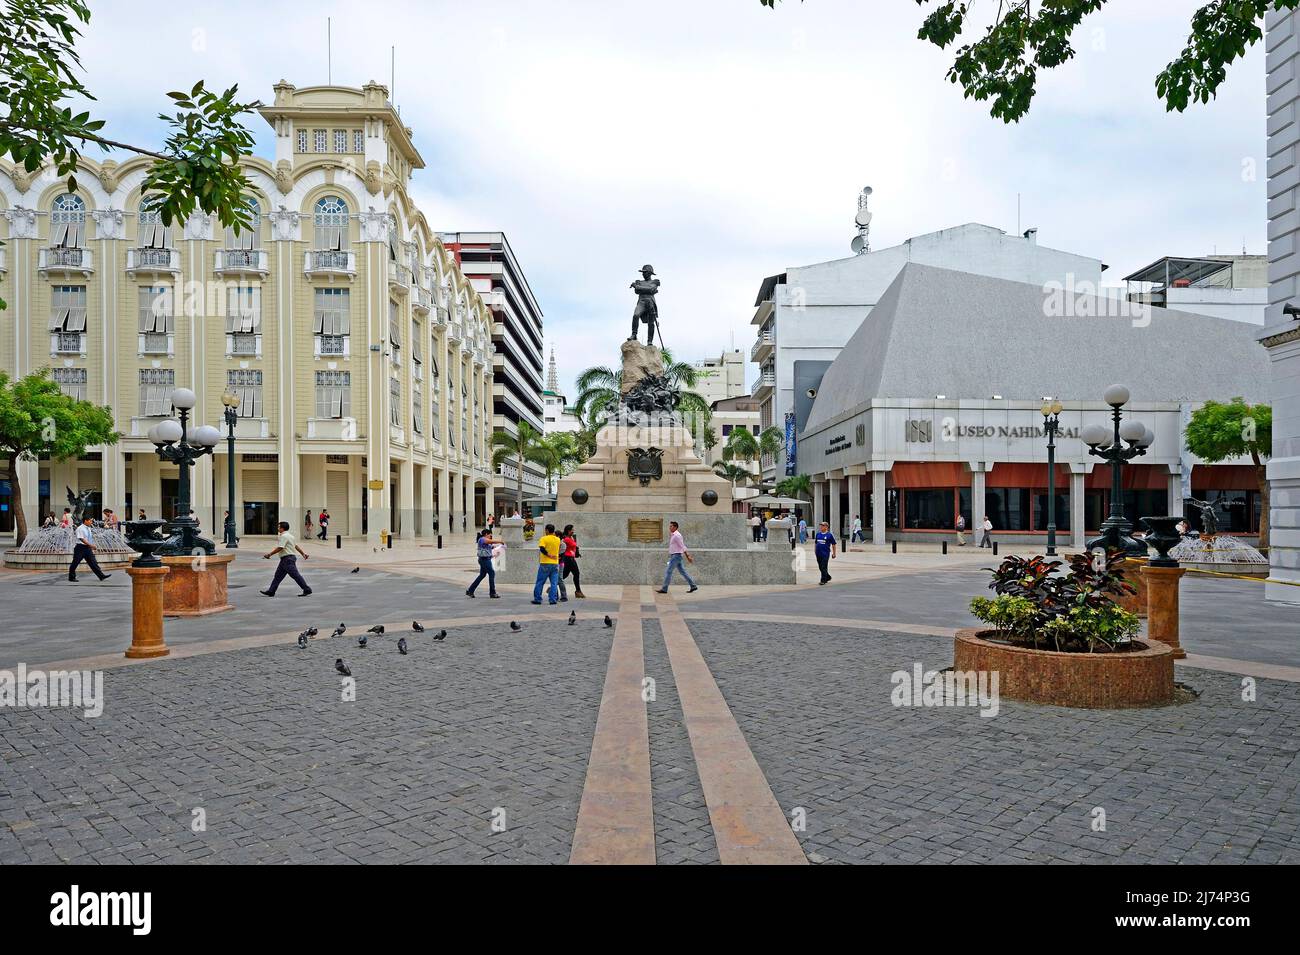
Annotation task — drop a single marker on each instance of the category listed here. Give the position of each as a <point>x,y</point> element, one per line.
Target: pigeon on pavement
<point>342,667</point>
<point>302,640</point>
<point>355,570</point>
<point>440,635</point>
<point>362,641</point>
<point>311,631</point>
<point>377,628</point>
<point>573,617</point>
<point>401,646</point>
<point>415,625</point>
<point>515,626</point>
<point>608,621</point>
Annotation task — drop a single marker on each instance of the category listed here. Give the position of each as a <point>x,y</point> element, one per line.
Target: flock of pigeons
<point>403,648</point>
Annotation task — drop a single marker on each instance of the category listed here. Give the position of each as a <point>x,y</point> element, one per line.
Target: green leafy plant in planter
<point>1073,611</point>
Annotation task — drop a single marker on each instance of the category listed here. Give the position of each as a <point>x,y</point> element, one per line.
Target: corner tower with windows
<point>336,318</point>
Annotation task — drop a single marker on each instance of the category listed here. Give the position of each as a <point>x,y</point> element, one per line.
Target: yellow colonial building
<point>359,352</point>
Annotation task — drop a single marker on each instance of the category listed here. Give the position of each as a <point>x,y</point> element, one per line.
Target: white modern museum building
<point>933,409</point>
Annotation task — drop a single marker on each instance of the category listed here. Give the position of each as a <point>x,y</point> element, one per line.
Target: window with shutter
<point>244,310</point>
<point>302,140</point>
<point>395,402</point>
<point>72,382</point>
<point>358,141</point>
<point>319,140</point>
<point>156,387</point>
<point>331,310</point>
<point>246,384</point>
<point>340,140</point>
<point>333,394</point>
<point>68,309</point>
<point>331,223</point>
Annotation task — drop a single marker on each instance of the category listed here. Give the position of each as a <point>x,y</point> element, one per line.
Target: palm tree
<point>770,442</point>
<point>735,473</point>
<point>557,454</point>
<point>799,485</point>
<point>524,445</point>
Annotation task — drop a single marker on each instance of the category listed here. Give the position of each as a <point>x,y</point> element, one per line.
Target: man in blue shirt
<point>825,549</point>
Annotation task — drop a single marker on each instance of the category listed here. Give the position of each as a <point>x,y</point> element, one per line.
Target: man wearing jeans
<point>548,567</point>
<point>676,551</point>
<point>288,550</point>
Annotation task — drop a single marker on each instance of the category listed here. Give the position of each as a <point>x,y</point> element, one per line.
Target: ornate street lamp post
<point>181,444</point>
<point>1111,447</point>
<point>1051,425</point>
<point>231,402</point>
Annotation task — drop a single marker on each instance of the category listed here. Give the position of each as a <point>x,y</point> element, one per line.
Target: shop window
<point>1007,508</point>
<point>928,508</point>
<point>1235,510</point>
<point>1062,511</point>
<point>1139,504</point>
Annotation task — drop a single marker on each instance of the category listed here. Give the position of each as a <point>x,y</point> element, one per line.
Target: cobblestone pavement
<point>286,772</point>
<point>1214,780</point>
<point>1221,617</point>
<point>35,607</point>
<point>683,832</point>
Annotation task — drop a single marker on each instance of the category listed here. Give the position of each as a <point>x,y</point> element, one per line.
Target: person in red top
<point>569,560</point>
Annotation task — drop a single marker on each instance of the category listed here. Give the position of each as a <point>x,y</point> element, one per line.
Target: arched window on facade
<point>331,226</point>
<point>246,239</point>
<point>68,222</point>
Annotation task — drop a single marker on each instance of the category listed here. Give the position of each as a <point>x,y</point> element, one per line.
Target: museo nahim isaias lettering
<point>74,907</point>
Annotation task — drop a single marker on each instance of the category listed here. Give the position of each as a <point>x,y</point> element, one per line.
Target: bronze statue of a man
<point>646,310</point>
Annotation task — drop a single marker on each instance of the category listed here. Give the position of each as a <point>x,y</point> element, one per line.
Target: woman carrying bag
<point>570,559</point>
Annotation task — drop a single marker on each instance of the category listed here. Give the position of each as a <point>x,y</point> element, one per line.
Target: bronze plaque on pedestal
<point>645,530</point>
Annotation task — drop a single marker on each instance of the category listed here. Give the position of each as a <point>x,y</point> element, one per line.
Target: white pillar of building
<point>836,518</point>
<point>1078,512</point>
<point>819,502</point>
<point>406,498</point>
<point>444,501</point>
<point>1281,334</point>
<point>855,499</point>
<point>489,496</point>
<point>878,507</point>
<point>29,479</point>
<point>312,471</point>
<point>427,516</point>
<point>146,475</point>
<point>978,472</point>
<point>113,481</point>
<point>467,515</point>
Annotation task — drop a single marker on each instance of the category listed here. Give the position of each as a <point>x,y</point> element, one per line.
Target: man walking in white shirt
<point>676,553</point>
<point>85,550</point>
<point>287,549</point>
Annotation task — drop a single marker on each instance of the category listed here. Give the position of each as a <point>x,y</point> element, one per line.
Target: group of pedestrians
<point>323,521</point>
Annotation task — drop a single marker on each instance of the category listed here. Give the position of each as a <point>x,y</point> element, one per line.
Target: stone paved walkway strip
<point>748,823</point>
<point>616,816</point>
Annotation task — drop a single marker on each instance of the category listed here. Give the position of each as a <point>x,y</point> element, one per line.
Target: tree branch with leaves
<point>1002,66</point>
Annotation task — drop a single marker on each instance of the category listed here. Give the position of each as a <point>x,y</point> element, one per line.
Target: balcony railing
<point>330,262</point>
<point>69,343</point>
<point>155,343</point>
<point>423,300</point>
<point>399,278</point>
<point>766,379</point>
<point>241,261</point>
<point>330,345</point>
<point>152,260</point>
<point>244,344</point>
<point>66,260</point>
<point>766,339</point>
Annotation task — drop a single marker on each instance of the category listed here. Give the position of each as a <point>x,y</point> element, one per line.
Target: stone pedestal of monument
<point>196,585</point>
<point>645,473</point>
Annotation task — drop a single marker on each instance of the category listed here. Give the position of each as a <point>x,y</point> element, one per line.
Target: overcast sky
<point>721,141</point>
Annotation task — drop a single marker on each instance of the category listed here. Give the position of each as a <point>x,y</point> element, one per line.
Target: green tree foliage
<point>40,75</point>
<point>1003,64</point>
<point>599,389</point>
<point>1219,430</point>
<point>37,420</point>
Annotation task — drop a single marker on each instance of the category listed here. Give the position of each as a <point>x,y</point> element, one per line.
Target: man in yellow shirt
<point>548,566</point>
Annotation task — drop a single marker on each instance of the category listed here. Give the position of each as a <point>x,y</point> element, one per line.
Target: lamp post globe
<point>1116,396</point>
<point>1126,440</point>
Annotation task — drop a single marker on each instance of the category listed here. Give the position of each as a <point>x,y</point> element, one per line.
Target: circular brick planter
<point>1088,680</point>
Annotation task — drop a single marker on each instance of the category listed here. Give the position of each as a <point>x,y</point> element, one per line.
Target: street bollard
<point>338,541</point>
<point>893,547</point>
<point>945,547</point>
<point>390,541</point>
<point>439,542</point>
<point>995,548</point>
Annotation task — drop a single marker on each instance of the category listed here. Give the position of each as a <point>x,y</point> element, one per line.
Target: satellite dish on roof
<point>857,244</point>
<point>866,190</point>
<point>863,217</point>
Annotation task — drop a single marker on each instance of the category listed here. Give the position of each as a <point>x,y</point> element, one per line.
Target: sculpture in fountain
<point>51,547</point>
<point>1221,553</point>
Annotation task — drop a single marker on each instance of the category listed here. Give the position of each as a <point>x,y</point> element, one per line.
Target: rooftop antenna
<point>392,74</point>
<point>862,241</point>
<point>329,52</point>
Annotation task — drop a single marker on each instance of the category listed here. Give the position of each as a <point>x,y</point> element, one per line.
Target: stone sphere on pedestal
<point>709,497</point>
<point>580,495</point>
